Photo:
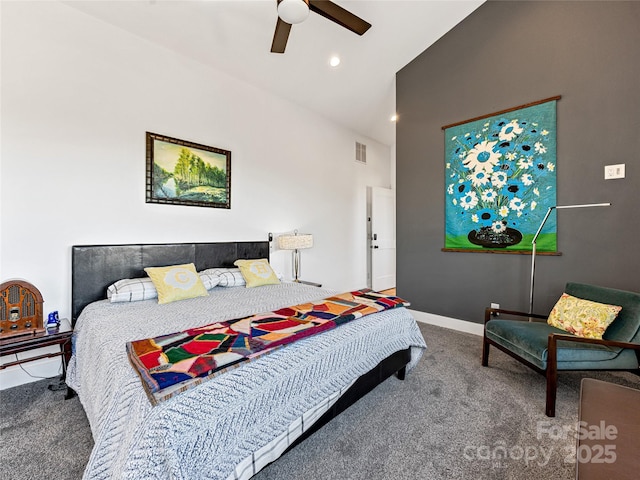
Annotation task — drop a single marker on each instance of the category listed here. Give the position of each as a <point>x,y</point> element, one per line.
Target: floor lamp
<point>535,238</point>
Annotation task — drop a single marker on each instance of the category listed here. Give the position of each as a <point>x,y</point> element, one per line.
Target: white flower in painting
<point>454,137</point>
<point>479,178</point>
<point>467,135</point>
<point>469,201</point>
<point>536,192</point>
<point>525,163</point>
<point>511,155</point>
<point>489,195</point>
<point>510,131</point>
<point>482,157</point>
<point>450,189</point>
<point>448,166</point>
<point>498,226</point>
<point>527,179</point>
<point>474,218</point>
<point>486,124</point>
<point>504,211</point>
<point>551,167</point>
<point>534,204</point>
<point>499,179</point>
<point>544,132</point>
<point>516,204</point>
<point>454,201</point>
<point>539,147</point>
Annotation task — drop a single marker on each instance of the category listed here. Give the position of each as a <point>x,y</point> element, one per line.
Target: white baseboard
<point>447,322</point>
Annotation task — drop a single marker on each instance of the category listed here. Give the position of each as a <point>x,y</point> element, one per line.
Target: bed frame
<point>95,267</point>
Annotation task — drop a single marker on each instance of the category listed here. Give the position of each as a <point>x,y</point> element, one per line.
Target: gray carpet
<point>450,419</point>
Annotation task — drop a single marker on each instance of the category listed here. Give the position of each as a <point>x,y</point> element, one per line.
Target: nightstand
<point>51,336</point>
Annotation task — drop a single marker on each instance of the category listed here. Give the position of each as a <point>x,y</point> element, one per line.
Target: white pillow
<point>137,289</point>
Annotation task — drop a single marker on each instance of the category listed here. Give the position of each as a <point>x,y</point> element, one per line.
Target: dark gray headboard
<point>95,267</point>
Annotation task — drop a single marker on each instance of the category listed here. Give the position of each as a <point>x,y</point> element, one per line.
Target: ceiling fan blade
<point>280,36</point>
<point>339,15</point>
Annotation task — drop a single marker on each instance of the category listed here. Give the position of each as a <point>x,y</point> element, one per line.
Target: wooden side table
<point>51,336</point>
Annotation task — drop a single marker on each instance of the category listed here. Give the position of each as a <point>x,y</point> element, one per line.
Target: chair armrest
<point>488,312</point>
<point>556,337</point>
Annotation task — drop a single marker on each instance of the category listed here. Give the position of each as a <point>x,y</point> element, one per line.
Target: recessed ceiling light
<point>334,61</point>
<point>394,117</point>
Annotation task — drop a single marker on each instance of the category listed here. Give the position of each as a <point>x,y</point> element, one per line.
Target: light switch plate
<point>614,171</point>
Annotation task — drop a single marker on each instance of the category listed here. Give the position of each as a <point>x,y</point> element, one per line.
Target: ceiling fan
<point>296,11</point>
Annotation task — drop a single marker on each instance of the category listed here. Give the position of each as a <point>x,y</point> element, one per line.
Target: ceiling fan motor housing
<point>293,11</point>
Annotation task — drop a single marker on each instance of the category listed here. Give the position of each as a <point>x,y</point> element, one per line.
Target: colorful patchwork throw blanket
<point>170,364</point>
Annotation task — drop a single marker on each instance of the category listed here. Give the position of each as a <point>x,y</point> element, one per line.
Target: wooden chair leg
<point>552,377</point>
<point>485,352</point>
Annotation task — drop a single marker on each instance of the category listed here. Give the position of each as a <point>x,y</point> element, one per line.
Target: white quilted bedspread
<point>206,431</point>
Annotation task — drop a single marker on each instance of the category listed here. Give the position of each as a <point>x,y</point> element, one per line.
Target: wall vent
<point>361,153</point>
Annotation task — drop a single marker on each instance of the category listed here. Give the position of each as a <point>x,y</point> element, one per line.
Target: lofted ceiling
<point>235,36</point>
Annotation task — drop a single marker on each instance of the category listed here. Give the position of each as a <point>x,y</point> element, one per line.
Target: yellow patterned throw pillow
<point>583,318</point>
<point>176,282</point>
<point>257,272</point>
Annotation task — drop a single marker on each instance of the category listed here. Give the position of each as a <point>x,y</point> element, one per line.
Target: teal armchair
<point>548,350</point>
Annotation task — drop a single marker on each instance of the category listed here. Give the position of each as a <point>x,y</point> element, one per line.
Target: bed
<point>233,424</point>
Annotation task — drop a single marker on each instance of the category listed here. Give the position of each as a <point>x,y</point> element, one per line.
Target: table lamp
<point>295,242</point>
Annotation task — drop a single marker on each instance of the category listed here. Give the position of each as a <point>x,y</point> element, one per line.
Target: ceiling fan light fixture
<point>293,11</point>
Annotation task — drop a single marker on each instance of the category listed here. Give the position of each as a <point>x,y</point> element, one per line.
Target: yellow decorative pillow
<point>583,318</point>
<point>257,272</point>
<point>176,282</point>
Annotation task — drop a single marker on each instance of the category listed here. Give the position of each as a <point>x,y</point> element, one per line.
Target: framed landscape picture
<point>187,173</point>
<point>500,180</point>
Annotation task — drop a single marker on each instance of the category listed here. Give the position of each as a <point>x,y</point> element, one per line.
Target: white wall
<point>78,96</point>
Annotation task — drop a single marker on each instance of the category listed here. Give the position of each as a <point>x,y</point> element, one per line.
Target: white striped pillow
<point>229,277</point>
<point>208,280</point>
<point>132,290</point>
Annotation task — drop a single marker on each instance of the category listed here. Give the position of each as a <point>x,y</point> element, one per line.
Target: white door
<point>383,239</point>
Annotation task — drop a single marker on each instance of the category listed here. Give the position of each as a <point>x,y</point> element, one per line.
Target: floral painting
<point>186,173</point>
<point>500,179</point>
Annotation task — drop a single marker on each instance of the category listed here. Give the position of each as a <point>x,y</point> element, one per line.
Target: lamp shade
<point>295,242</point>
<point>293,11</point>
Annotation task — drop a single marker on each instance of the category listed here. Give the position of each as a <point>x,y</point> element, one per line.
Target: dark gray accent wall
<point>503,55</point>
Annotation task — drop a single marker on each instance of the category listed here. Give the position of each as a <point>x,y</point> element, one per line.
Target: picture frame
<point>500,179</point>
<point>179,172</point>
